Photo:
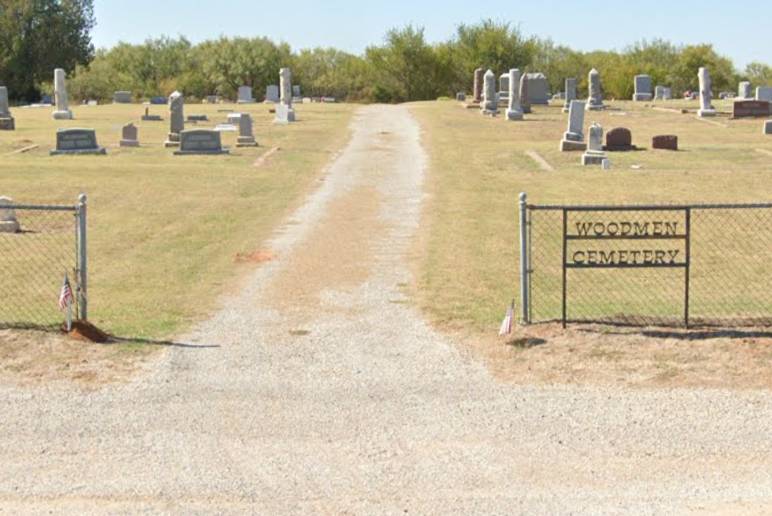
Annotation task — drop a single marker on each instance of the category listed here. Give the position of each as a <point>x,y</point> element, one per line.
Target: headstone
<point>460,96</point>
<point>233,118</point>
<point>272,93</point>
<point>594,154</point>
<point>60,94</point>
<point>284,112</point>
<point>200,141</point>
<point>706,94</point>
<point>479,76</point>
<point>744,90</point>
<point>619,139</point>
<point>77,141</point>
<point>159,101</point>
<point>605,164</point>
<point>246,137</point>
<point>570,93</point>
<point>176,119</point>
<point>751,108</point>
<point>642,88</point>
<point>573,138</point>
<point>514,109</point>
<point>8,222</point>
<point>245,95</point>
<point>7,123</point>
<point>46,100</point>
<point>212,99</point>
<point>296,91</point>
<point>147,117</point>
<point>129,136</point>
<point>764,93</point>
<point>663,93</point>
<point>726,95</point>
<point>595,100</point>
<point>768,127</point>
<point>198,118</point>
<point>122,97</point>
<point>525,102</point>
<point>503,93</point>
<point>665,142</point>
<point>538,89</point>
<point>490,102</point>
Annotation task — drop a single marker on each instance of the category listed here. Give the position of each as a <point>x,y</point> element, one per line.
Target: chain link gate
<point>668,265</point>
<point>51,241</point>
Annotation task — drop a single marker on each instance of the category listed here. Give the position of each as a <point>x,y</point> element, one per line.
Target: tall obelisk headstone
<point>176,119</point>
<point>284,111</point>
<point>60,97</point>
<point>525,103</point>
<point>479,75</point>
<point>515,110</point>
<point>490,101</point>
<point>706,94</point>
<point>595,100</point>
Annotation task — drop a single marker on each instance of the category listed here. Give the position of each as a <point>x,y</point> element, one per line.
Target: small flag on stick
<point>66,300</point>
<point>506,324</point>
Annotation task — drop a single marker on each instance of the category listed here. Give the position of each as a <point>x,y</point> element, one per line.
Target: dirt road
<point>318,389</point>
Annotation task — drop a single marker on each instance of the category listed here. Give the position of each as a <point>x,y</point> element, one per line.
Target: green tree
<point>759,74</point>
<point>37,36</point>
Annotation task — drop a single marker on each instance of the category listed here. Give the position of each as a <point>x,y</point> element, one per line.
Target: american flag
<point>506,324</point>
<point>66,299</point>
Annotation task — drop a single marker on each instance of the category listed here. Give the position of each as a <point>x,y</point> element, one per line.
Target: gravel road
<point>323,391</point>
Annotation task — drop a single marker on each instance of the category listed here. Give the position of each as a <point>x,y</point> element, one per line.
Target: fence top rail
<point>40,207</point>
<point>647,207</point>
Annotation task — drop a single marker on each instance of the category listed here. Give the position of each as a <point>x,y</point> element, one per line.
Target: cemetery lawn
<point>169,234</point>
<point>467,254</point>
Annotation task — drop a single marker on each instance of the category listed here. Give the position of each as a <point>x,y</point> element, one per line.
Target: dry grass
<point>468,262</point>
<point>164,230</point>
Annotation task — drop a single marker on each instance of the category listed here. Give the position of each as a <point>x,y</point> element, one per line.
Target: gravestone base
<point>9,226</point>
<point>245,101</point>
<point>768,127</point>
<point>643,97</point>
<point>129,143</point>
<point>284,115</point>
<point>595,107</point>
<point>62,115</point>
<point>173,140</point>
<point>593,158</point>
<point>201,152</point>
<point>246,141</point>
<point>152,118</point>
<point>97,150</point>
<point>705,113</point>
<point>571,142</point>
<point>7,124</point>
<point>514,115</point>
<point>472,105</point>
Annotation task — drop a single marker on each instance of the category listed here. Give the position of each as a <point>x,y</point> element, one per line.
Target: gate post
<point>524,260</point>
<point>82,259</point>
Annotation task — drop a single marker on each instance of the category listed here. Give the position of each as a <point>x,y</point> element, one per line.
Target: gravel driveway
<point>325,392</point>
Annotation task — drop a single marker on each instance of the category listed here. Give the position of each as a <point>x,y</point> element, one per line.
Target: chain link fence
<point>39,244</point>
<point>708,265</point>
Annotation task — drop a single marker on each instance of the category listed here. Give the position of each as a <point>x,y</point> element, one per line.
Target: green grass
<point>164,229</point>
<point>468,260</point>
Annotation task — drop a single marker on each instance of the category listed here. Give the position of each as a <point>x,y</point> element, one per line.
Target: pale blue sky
<point>740,32</point>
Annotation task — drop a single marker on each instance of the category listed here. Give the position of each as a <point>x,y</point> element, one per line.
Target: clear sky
<point>740,31</point>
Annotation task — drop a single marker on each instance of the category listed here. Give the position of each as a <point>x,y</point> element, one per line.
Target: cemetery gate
<point>669,265</point>
<point>50,242</point>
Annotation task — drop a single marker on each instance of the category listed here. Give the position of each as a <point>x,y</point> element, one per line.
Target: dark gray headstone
<point>200,141</point>
<point>77,141</point>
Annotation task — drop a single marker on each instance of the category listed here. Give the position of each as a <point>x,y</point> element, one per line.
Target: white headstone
<point>514,110</point>
<point>285,86</point>
<point>594,154</point>
<point>60,95</point>
<point>490,102</point>
<point>8,222</point>
<point>595,100</point>
<point>744,90</point>
<point>706,94</point>
<point>176,119</point>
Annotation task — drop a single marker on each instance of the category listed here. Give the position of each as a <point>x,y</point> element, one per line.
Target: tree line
<point>403,67</point>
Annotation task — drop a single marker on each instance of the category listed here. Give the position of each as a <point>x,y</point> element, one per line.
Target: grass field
<point>479,165</point>
<point>164,230</point>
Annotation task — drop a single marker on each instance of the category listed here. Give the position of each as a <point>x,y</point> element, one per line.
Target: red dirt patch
<point>254,257</point>
<point>87,332</point>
